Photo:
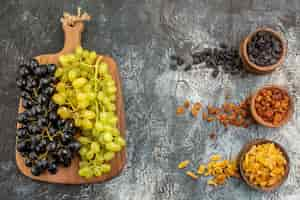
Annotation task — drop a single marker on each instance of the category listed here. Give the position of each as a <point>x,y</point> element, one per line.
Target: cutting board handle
<point>72,37</point>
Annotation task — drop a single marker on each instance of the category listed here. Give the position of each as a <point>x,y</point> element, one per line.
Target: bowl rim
<point>268,67</point>
<point>258,119</point>
<point>242,154</point>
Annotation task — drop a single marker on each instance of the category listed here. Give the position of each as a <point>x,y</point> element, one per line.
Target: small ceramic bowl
<point>252,67</point>
<point>259,120</point>
<point>242,154</point>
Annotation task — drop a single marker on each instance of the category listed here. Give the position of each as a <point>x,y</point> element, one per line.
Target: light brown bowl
<point>252,67</point>
<point>242,154</point>
<point>259,120</point>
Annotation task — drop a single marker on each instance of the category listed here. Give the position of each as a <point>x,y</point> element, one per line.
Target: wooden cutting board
<point>70,175</point>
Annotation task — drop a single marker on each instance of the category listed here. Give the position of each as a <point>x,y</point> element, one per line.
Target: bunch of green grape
<point>86,93</point>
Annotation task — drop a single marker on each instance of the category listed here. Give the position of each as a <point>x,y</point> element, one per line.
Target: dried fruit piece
<point>201,169</point>
<point>210,119</point>
<point>204,116</point>
<point>183,164</point>
<point>180,110</point>
<point>195,112</point>
<point>186,104</point>
<point>197,106</point>
<point>212,182</point>
<point>192,174</point>
<point>215,157</point>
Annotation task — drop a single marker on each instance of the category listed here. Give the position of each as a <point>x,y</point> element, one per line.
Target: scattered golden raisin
<point>192,174</point>
<point>201,169</point>
<point>183,164</point>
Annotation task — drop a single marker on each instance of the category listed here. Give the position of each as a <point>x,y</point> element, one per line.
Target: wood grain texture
<point>70,175</point>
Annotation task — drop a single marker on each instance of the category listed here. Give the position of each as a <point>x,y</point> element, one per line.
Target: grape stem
<point>96,85</point>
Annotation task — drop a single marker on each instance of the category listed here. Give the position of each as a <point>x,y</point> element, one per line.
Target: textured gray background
<point>141,35</point>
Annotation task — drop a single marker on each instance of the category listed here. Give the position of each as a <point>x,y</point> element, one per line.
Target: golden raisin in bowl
<point>271,106</point>
<point>264,164</point>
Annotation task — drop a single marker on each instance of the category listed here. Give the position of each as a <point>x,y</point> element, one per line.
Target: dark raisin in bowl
<point>263,51</point>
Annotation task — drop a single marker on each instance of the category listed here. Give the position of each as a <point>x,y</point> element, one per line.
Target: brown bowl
<point>259,120</point>
<point>242,154</point>
<point>252,67</point>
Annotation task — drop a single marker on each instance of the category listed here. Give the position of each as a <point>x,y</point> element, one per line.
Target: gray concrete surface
<point>141,35</point>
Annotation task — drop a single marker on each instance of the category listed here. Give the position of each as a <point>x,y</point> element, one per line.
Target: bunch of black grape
<point>44,140</point>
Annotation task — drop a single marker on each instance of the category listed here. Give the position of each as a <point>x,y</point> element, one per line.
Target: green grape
<point>112,120</point>
<point>95,147</point>
<point>113,147</point>
<point>80,96</point>
<point>110,83</point>
<point>96,133</point>
<point>115,132</point>
<point>78,51</point>
<point>79,82</point>
<point>61,87</point>
<point>108,155</point>
<point>84,73</point>
<point>112,98</point>
<point>71,57</point>
<point>100,96</point>
<point>92,96</point>
<point>85,172</point>
<point>85,54</point>
<point>59,98</point>
<point>87,114</point>
<point>120,141</point>
<point>73,74</point>
<point>103,68</point>
<point>84,140</point>
<point>83,104</point>
<point>105,168</point>
<point>111,107</point>
<point>107,137</point>
<point>86,124</point>
<point>90,154</point>
<point>111,89</point>
<point>99,158</point>
<point>64,112</point>
<point>106,101</point>
<point>83,164</point>
<point>83,151</point>
<point>59,72</point>
<point>93,56</point>
<point>99,126</point>
<point>97,171</point>
<point>63,60</point>
<point>77,122</point>
<point>87,88</point>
